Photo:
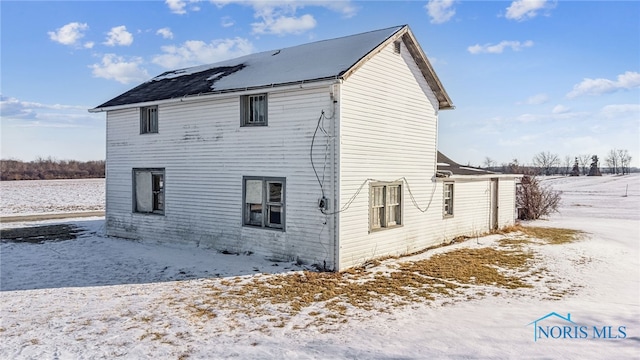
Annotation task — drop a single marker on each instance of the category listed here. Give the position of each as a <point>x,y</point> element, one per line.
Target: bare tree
<point>545,161</point>
<point>488,162</point>
<point>514,167</point>
<point>625,159</point>
<point>612,161</point>
<point>567,164</point>
<point>534,200</point>
<point>585,161</point>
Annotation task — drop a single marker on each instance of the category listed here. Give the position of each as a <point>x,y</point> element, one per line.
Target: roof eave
<point>444,101</point>
<point>202,96</point>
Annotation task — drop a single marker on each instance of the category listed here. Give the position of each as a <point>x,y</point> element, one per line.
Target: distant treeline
<point>49,169</point>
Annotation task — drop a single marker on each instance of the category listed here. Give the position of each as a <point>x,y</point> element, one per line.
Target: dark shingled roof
<point>321,60</point>
<point>446,164</point>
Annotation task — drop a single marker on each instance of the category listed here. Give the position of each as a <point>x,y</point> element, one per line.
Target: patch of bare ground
<point>40,234</point>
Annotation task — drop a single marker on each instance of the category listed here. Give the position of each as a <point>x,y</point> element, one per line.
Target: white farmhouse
<point>324,153</point>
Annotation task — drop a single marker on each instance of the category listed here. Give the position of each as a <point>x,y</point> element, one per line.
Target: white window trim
<point>149,120</point>
<point>448,202</point>
<point>265,203</point>
<point>246,118</point>
<point>385,222</point>
<point>156,199</point>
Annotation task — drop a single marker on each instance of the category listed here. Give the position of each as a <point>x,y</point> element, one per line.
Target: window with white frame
<point>253,110</point>
<point>385,205</point>
<point>148,191</point>
<point>264,202</point>
<point>448,200</point>
<point>148,120</point>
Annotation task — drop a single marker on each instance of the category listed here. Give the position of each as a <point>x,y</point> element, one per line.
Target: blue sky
<point>525,76</point>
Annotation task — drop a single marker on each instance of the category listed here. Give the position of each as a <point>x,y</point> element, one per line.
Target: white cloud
<point>527,9</point>
<point>176,6</point>
<point>165,33</point>
<point>119,36</point>
<point>618,111</point>
<point>227,22</point>
<point>116,68</point>
<point>560,109</point>
<point>88,45</point>
<point>628,80</point>
<point>32,114</point>
<point>440,11</point>
<point>179,6</point>
<point>280,17</point>
<point>195,52</point>
<point>537,99</point>
<point>69,34</point>
<point>499,48</point>
<point>284,25</point>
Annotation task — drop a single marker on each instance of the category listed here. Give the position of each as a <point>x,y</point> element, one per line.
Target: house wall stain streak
<point>205,154</point>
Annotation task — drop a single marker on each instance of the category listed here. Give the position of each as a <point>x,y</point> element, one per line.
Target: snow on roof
<point>308,62</point>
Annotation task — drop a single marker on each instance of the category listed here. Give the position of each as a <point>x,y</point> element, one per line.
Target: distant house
<point>323,152</point>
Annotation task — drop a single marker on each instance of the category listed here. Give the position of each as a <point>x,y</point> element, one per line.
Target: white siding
<point>507,201</point>
<point>472,207</point>
<point>205,154</point>
<point>388,128</point>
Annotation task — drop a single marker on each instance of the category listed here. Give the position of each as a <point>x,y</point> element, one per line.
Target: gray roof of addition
<point>317,61</point>
<point>446,164</point>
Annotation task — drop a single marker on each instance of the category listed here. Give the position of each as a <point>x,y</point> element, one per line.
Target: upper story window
<point>385,205</point>
<point>148,119</point>
<point>448,200</point>
<point>253,110</point>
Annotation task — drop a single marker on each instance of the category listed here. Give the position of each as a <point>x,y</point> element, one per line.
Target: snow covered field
<point>99,297</point>
<point>31,197</point>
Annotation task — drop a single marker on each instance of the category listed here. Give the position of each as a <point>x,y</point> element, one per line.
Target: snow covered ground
<point>31,197</point>
<point>100,297</point>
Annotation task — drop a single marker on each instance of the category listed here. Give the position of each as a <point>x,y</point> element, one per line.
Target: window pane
<point>158,192</point>
<point>394,194</point>
<point>275,192</point>
<point>253,191</point>
<point>144,191</point>
<point>254,214</point>
<point>393,215</point>
<point>377,216</point>
<point>257,107</point>
<point>275,215</point>
<point>378,196</point>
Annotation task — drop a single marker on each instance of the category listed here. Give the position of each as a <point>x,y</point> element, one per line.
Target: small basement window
<point>448,200</point>
<point>148,120</point>
<point>253,110</point>
<point>385,205</point>
<point>148,191</point>
<point>264,202</point>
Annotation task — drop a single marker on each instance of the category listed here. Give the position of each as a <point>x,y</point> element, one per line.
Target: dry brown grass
<point>327,299</point>
<point>554,236</point>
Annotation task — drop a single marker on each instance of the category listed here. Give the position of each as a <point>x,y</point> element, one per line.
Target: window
<point>264,200</point>
<point>386,205</point>
<point>148,120</point>
<point>448,200</point>
<point>253,110</point>
<point>148,191</point>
